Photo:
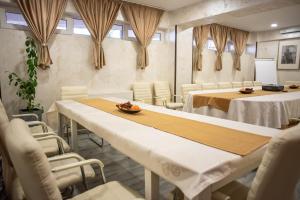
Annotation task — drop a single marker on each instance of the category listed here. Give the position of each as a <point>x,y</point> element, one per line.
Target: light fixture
<point>274,25</point>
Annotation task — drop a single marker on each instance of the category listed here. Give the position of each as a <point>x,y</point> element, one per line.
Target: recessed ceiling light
<point>274,25</point>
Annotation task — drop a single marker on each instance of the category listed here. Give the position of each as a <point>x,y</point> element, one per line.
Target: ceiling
<point>166,4</point>
<point>260,20</point>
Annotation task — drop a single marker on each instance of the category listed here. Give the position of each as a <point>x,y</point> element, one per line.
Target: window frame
<point>118,23</point>
<point>251,45</point>
<point>5,25</point>
<point>70,26</point>
<point>128,27</point>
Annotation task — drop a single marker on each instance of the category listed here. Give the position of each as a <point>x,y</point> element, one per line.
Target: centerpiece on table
<point>128,108</point>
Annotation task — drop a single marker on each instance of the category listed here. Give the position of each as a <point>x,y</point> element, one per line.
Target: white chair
<point>277,175</point>
<point>142,91</point>
<point>63,179</point>
<point>292,82</point>
<point>197,82</point>
<point>73,92</point>
<point>257,83</point>
<point>186,88</point>
<point>209,86</point>
<point>247,84</point>
<point>236,84</point>
<point>52,144</point>
<point>224,85</point>
<point>36,175</point>
<point>163,96</point>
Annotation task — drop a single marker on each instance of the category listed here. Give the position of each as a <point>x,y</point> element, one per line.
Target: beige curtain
<point>219,35</point>
<point>200,35</point>
<point>99,16</point>
<point>42,17</point>
<point>144,22</point>
<point>239,39</point>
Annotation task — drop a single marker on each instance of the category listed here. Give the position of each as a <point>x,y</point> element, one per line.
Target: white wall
<point>228,73</point>
<point>267,47</point>
<point>184,59</point>
<point>208,73</point>
<point>72,57</point>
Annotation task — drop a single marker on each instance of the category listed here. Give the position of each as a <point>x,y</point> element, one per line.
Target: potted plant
<point>27,86</point>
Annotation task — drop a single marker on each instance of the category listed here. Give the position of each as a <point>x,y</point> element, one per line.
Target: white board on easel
<point>266,71</point>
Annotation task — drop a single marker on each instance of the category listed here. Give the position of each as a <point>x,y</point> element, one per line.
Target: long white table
<point>196,169</point>
<point>270,110</point>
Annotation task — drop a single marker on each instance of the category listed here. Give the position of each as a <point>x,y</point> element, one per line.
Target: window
<point>18,19</point>
<point>130,33</point>
<point>80,28</point>
<point>15,19</point>
<point>62,25</point>
<point>156,36</point>
<point>230,46</point>
<point>116,31</point>
<point>251,49</point>
<point>211,45</point>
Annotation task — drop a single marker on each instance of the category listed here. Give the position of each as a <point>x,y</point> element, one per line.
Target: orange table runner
<point>222,101</point>
<point>226,139</point>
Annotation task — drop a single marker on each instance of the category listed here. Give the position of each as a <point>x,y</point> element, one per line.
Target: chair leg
<point>83,178</point>
<point>95,141</point>
<point>68,192</point>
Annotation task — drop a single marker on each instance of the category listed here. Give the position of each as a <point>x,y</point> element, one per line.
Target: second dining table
<point>270,109</point>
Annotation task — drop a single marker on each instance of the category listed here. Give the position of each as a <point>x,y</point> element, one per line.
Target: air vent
<point>290,30</point>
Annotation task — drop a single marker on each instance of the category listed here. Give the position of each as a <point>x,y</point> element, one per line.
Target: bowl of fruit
<point>294,86</point>
<point>129,108</point>
<point>246,90</point>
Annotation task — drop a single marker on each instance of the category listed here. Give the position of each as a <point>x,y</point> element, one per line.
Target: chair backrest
<point>73,92</point>
<point>279,170</point>
<point>162,90</point>
<point>292,82</point>
<point>30,163</point>
<point>248,84</point>
<point>186,88</point>
<point>7,169</point>
<point>142,91</point>
<point>209,86</point>
<point>257,83</point>
<point>236,84</point>
<point>224,85</point>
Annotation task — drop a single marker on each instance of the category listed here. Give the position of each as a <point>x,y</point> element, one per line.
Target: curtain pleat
<point>99,17</point>
<point>42,17</point>
<point>239,39</point>
<point>144,22</point>
<point>219,35</point>
<point>200,35</point>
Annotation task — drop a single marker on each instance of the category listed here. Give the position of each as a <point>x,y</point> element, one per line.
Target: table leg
<point>74,142</point>
<point>151,185</point>
<point>60,125</point>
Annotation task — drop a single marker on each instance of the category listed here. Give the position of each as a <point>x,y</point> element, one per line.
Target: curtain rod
<point>148,5</point>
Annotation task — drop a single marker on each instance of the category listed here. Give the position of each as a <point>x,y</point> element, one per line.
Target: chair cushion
<point>71,176</point>
<point>50,147</point>
<point>174,105</point>
<point>109,191</point>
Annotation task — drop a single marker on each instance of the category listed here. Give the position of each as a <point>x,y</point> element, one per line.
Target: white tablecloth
<point>191,166</point>
<point>270,110</point>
